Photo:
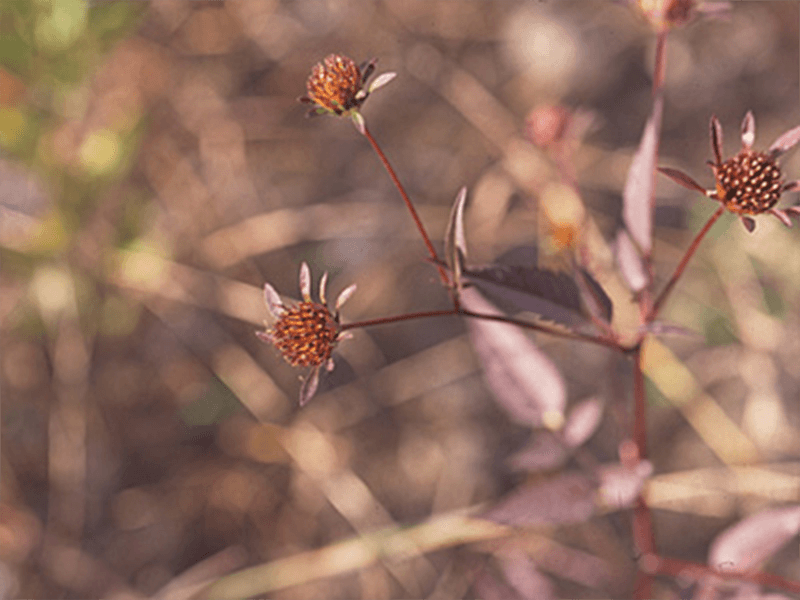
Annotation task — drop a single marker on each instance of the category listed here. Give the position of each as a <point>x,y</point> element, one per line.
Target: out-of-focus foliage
<point>156,170</point>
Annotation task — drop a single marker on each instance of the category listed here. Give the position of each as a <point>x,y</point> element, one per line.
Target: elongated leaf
<point>594,296</point>
<point>568,498</point>
<point>683,179</point>
<point>523,379</point>
<point>582,422</point>
<point>754,539</point>
<point>630,262</point>
<point>638,193</point>
<point>521,572</point>
<point>554,296</point>
<point>620,485</point>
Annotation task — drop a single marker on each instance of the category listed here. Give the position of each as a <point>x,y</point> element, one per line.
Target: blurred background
<point>156,170</point>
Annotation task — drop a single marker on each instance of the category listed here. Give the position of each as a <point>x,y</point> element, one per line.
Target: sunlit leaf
<point>637,195</point>
<point>455,243</point>
<point>785,142</point>
<point>620,485</point>
<point>754,539</point>
<point>523,379</point>
<point>630,262</point>
<point>582,422</point>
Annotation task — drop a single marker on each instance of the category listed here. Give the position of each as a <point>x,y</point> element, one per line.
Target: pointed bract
<point>749,224</point>
<point>323,287</point>
<point>785,142</point>
<point>273,301</point>
<point>309,386</point>
<point>455,243</point>
<point>305,282</point>
<point>782,216</point>
<point>748,131</point>
<point>359,123</point>
<point>344,295</point>
<point>381,80</point>
<point>683,179</point>
<point>716,139</point>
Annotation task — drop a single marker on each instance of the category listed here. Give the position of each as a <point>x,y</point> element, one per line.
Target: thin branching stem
<point>409,204</point>
<point>562,333</point>
<point>682,265</point>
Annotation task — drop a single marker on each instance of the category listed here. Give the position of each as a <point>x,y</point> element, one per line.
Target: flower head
<point>305,333</point>
<point>336,86</point>
<point>751,182</point>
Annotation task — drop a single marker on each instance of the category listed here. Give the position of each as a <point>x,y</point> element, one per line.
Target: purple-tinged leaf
<point>568,498</point>
<point>582,422</point>
<point>305,282</point>
<point>783,217</point>
<point>554,296</point>
<point>683,179</point>
<point>455,242</point>
<point>638,193</point>
<point>594,296</point>
<point>273,301</point>
<point>749,223</point>
<point>748,131</point>
<point>265,337</point>
<point>621,485</point>
<point>309,386</point>
<point>754,539</point>
<point>523,379</point>
<point>630,262</point>
<point>543,453</point>
<point>785,142</point>
<point>521,573</point>
<point>716,139</point>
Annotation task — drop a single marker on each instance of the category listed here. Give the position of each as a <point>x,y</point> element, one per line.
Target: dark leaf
<point>566,499</point>
<point>594,296</point>
<point>524,380</point>
<point>754,539</point>
<point>554,296</point>
<point>637,195</point>
<point>785,142</point>
<point>662,328</point>
<point>544,452</point>
<point>682,178</point>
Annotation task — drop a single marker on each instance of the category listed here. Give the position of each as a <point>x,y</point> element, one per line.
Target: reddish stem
<point>567,334</point>
<point>681,568</point>
<point>682,265</point>
<point>409,205</point>
<point>660,69</point>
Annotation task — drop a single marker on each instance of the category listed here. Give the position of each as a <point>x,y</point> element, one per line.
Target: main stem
<point>682,265</point>
<point>409,205</point>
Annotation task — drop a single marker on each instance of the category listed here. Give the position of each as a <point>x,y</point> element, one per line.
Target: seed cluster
<point>749,183</point>
<point>334,83</point>
<point>305,334</point>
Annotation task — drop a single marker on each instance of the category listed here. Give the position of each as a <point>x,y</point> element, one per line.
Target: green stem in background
<point>682,265</point>
<point>409,205</point>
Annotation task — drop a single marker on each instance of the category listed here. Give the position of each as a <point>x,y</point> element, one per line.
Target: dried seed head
<point>750,183</point>
<point>334,84</point>
<point>305,334</point>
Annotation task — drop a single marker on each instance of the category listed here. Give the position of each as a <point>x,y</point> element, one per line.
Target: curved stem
<point>682,265</point>
<point>409,205</point>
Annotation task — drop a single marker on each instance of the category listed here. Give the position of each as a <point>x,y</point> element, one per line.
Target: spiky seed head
<point>750,183</point>
<point>335,83</point>
<point>305,334</point>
